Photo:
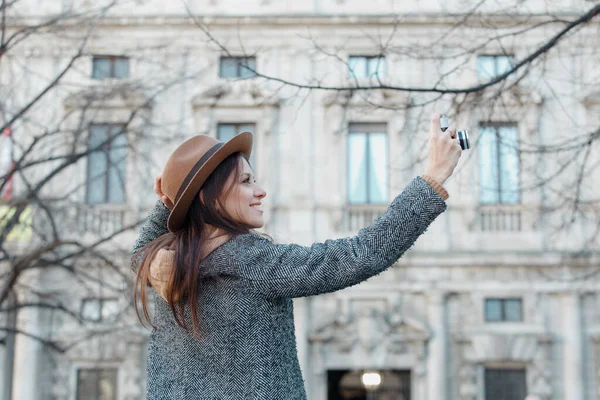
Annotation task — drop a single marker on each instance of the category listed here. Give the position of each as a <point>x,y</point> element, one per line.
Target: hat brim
<point>240,143</point>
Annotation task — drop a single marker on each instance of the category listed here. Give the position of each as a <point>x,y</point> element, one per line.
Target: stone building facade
<point>491,297</point>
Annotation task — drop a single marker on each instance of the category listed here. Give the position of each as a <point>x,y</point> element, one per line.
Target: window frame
<point>97,371</point>
<point>239,67</point>
<point>353,130</point>
<point>503,301</point>
<point>107,154</point>
<point>367,58</point>
<point>496,58</point>
<point>498,143</point>
<point>101,301</point>
<point>112,60</point>
<point>237,126</point>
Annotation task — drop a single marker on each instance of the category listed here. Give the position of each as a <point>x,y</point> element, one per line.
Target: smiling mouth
<point>256,207</point>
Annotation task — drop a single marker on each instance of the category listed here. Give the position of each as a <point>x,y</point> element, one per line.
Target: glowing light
<point>371,380</point>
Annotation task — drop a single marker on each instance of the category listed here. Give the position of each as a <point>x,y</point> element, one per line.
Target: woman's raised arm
<point>295,271</point>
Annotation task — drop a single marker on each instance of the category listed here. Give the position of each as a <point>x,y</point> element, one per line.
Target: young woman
<point>223,323</point>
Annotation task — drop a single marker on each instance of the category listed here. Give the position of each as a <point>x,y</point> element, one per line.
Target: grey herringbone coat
<point>248,350</point>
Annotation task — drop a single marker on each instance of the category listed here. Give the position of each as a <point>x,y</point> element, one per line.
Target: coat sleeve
<point>155,226</point>
<point>295,271</point>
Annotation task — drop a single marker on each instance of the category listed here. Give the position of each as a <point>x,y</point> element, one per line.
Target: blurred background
<point>498,300</point>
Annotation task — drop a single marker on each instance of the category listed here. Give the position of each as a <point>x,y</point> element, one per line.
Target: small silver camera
<point>462,136</point>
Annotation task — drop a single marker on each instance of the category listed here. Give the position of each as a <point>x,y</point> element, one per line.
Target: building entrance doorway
<point>368,385</point>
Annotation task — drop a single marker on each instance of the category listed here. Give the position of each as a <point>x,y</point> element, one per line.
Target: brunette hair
<point>188,246</point>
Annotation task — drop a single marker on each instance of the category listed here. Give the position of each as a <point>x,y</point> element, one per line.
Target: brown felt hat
<point>190,165</point>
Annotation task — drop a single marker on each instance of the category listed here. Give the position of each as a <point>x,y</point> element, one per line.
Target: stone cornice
<point>351,20</point>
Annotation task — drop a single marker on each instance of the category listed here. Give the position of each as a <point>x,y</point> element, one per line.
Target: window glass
<point>357,168</point>
<point>117,158</point>
<point>97,164</point>
<point>91,310</point>
<point>245,72</point>
<point>237,67</point>
<point>357,67</point>
<point>110,309</point>
<point>509,164</point>
<point>493,310</point>
<point>503,64</point>
<point>121,67</point>
<point>512,310</point>
<point>378,185</point>
<point>97,384</point>
<point>377,66</point>
<point>100,68</point>
<point>489,190</point>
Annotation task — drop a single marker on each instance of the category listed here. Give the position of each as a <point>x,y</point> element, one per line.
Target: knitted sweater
<point>248,347</point>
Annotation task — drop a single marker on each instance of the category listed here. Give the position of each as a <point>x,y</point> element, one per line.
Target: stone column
<point>27,356</point>
<point>573,348</point>
<point>7,352</point>
<point>437,360</point>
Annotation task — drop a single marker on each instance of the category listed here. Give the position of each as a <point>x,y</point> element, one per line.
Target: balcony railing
<point>483,218</point>
<point>358,216</point>
<point>506,218</point>
<point>102,220</point>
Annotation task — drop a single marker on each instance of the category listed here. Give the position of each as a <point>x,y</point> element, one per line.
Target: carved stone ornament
<point>371,328</point>
<point>387,98</point>
<point>118,95</point>
<point>237,94</point>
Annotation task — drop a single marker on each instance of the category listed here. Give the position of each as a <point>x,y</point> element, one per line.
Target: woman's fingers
<point>435,128</point>
<point>451,131</point>
<point>158,190</point>
<point>444,150</point>
<point>157,186</point>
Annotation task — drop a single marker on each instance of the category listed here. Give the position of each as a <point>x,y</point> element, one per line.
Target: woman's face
<point>243,203</point>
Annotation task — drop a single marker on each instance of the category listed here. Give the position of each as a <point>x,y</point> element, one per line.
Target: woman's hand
<point>158,190</point>
<point>444,150</point>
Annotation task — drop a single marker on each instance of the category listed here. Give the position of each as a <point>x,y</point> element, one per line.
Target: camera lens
<point>463,139</point>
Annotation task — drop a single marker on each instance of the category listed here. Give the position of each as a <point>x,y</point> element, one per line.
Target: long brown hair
<point>188,245</point>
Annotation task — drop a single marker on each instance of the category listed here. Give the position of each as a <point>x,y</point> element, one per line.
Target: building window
<point>499,165</point>
<point>505,384</point>
<point>227,131</point>
<point>110,67</point>
<point>237,67</point>
<point>106,164</point>
<point>366,66</point>
<point>99,310</point>
<point>97,384</point>
<point>491,66</point>
<point>367,164</point>
<point>503,310</point>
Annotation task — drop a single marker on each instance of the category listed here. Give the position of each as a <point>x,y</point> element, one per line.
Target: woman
<point>223,319</point>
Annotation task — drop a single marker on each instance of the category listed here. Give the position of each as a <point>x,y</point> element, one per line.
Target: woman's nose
<point>260,193</point>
